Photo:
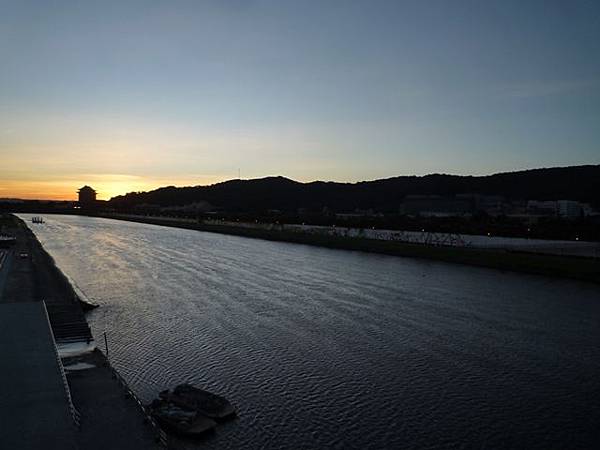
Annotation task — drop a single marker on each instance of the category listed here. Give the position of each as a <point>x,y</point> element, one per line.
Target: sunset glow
<point>185,93</point>
<point>357,224</point>
<point>106,186</point>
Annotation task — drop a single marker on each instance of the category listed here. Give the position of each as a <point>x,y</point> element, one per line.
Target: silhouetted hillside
<point>580,183</point>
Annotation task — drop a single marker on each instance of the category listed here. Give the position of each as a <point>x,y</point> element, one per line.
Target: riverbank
<point>586,269</point>
<point>34,275</point>
<point>109,417</point>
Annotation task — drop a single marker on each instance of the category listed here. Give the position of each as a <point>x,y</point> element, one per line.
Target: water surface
<point>322,348</point>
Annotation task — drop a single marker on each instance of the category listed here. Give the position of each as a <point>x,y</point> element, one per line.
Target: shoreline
<point>105,405</point>
<point>572,267</point>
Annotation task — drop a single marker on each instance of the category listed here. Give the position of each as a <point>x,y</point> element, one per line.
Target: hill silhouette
<point>580,183</point>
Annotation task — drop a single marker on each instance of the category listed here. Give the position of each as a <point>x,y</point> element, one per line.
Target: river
<point>322,348</point>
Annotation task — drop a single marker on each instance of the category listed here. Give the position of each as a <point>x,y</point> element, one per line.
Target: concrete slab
<point>34,410</point>
<point>5,262</point>
<point>109,418</point>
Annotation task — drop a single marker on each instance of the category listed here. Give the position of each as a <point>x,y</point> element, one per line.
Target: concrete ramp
<point>34,406</point>
<point>68,323</point>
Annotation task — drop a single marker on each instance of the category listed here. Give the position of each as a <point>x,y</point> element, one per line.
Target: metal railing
<point>74,413</point>
<point>3,257</point>
<point>161,435</point>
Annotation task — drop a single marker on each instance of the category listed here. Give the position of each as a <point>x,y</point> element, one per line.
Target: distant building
<point>589,211</point>
<point>437,205</point>
<point>87,197</point>
<point>548,208</point>
<point>564,209</point>
<point>492,205</point>
<point>349,216</point>
<point>569,209</point>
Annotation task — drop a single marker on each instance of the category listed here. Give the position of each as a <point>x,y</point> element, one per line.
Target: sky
<point>133,95</point>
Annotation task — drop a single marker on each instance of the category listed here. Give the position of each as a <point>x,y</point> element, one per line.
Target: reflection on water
<point>323,348</point>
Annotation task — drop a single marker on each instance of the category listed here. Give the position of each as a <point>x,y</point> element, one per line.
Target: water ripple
<point>321,348</point>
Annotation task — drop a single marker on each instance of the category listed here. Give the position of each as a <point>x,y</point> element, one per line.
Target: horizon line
<point>306,182</point>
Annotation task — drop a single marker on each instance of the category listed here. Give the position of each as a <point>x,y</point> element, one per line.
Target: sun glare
<point>109,189</point>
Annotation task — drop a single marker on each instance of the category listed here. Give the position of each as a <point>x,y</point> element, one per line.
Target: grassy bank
<point>587,269</point>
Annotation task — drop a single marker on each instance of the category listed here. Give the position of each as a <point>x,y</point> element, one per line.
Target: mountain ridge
<point>580,183</point>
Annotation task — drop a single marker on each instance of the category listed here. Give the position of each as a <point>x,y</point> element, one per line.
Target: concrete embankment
<point>587,269</point>
<point>34,408</point>
<point>107,415</point>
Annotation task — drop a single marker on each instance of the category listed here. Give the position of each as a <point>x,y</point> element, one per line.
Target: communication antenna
<point>239,174</point>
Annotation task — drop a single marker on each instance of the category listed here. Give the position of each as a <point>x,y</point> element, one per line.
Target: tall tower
<point>87,197</point>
